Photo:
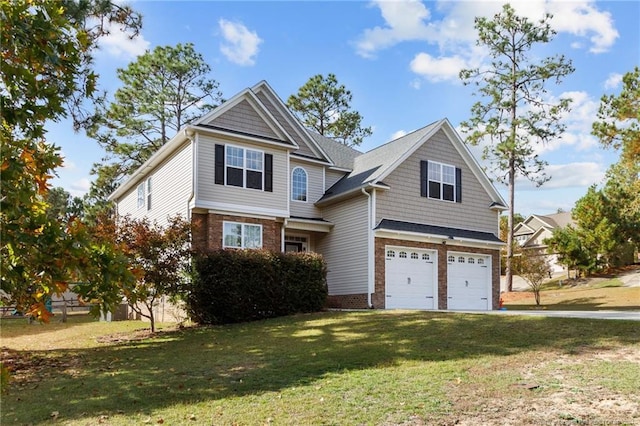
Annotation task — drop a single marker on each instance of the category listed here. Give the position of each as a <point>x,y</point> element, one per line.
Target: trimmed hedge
<point>232,286</point>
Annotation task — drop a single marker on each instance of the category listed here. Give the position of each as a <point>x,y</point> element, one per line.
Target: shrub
<point>246,285</point>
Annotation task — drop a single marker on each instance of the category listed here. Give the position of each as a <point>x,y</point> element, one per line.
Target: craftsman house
<point>411,224</point>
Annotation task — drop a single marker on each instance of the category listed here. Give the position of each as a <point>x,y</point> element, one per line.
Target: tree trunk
<point>508,269</point>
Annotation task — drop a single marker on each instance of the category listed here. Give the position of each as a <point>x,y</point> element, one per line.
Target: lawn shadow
<point>212,363</point>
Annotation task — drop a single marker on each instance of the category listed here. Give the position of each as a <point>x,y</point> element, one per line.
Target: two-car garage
<point>411,279</point>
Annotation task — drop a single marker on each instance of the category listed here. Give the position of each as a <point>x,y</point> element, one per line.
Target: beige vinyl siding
<point>331,177</point>
<point>304,148</point>
<point>243,198</point>
<point>345,247</point>
<point>243,117</point>
<point>314,190</point>
<point>170,189</point>
<point>403,201</point>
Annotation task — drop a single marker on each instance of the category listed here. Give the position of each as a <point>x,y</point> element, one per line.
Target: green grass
<point>604,295</point>
<point>380,367</point>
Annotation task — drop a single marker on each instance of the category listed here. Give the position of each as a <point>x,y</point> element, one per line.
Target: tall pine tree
<point>515,113</point>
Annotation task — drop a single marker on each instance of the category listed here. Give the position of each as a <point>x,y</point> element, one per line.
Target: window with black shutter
<point>243,167</point>
<point>440,181</point>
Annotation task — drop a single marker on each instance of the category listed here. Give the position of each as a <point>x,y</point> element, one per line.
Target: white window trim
<point>442,182</point>
<point>244,166</point>
<point>306,189</point>
<point>242,234</point>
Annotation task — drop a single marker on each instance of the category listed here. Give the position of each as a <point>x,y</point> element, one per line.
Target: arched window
<point>299,184</point>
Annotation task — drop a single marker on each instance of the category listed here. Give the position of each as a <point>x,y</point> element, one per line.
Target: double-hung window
<point>241,235</point>
<point>144,194</point>
<point>441,181</point>
<point>141,195</point>
<point>243,167</point>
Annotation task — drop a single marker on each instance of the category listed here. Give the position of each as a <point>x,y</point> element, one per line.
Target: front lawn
<point>603,295</point>
<point>374,367</point>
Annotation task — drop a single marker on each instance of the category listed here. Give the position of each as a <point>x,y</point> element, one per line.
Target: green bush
<point>231,286</point>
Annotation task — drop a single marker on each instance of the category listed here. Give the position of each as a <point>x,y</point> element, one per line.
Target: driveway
<point>611,315</point>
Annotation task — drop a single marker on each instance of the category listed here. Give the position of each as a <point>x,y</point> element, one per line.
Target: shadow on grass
<point>577,304</point>
<point>212,363</point>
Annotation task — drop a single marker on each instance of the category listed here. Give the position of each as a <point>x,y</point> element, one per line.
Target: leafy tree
<point>618,126</point>
<point>46,48</point>
<point>62,206</point>
<point>159,259</point>
<point>325,106</point>
<point>598,232</point>
<point>161,91</point>
<point>515,114</point>
<point>618,123</point>
<point>534,268</point>
<point>567,245</point>
<point>622,189</point>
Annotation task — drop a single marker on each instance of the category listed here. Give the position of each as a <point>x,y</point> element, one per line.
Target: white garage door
<point>410,278</point>
<point>468,281</point>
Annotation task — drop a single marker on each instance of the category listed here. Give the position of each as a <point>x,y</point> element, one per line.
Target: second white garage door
<point>468,281</point>
<point>410,278</point>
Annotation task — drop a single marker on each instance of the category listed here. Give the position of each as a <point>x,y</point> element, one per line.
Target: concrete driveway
<point>610,315</point>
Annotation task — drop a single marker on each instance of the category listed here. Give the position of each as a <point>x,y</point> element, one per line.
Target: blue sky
<point>400,60</point>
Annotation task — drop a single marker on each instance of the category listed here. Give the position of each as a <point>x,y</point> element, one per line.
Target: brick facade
<point>378,298</point>
<point>207,231</point>
<point>348,301</point>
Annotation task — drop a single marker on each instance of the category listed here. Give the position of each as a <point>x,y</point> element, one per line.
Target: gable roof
<point>248,97</point>
<point>341,155</point>
<point>371,168</point>
<point>535,222</point>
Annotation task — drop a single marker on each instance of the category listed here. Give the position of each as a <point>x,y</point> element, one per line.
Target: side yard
<point>617,291</point>
<point>374,367</point>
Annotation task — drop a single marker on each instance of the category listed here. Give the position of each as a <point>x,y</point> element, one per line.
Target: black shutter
<point>458,185</point>
<point>268,172</point>
<point>424,166</point>
<point>219,165</point>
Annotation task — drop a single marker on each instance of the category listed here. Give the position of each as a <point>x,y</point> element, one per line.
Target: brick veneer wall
<point>378,298</point>
<point>207,231</point>
<point>348,301</point>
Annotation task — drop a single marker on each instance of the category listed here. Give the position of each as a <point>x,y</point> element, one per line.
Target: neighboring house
<point>531,233</point>
<point>411,224</point>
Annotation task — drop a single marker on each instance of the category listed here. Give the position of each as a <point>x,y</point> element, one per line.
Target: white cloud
<point>571,175</point>
<point>240,45</point>
<point>578,123</point>
<point>613,81</point>
<point>120,44</point>
<point>398,134</point>
<point>437,69</point>
<point>411,20</point>
<point>66,163</point>
<point>404,20</point>
<point>583,19</point>
<point>80,187</point>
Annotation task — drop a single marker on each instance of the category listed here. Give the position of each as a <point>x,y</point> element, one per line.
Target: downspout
<point>369,248</point>
<point>284,225</point>
<point>194,170</point>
